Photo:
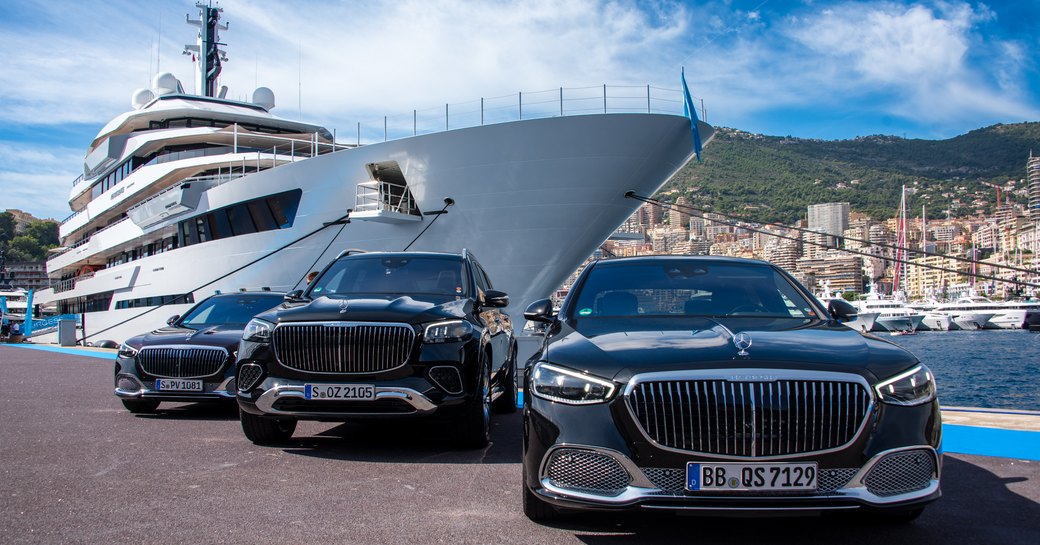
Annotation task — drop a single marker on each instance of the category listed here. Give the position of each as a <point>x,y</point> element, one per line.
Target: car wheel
<point>536,509</point>
<point>262,430</point>
<point>475,431</point>
<point>141,406</point>
<point>506,403</point>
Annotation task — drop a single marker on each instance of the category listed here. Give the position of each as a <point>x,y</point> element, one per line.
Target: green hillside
<point>774,178</point>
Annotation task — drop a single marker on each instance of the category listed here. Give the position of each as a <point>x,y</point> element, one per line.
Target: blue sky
<point>813,69</point>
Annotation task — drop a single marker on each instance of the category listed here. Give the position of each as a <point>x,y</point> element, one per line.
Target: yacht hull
<point>531,199</point>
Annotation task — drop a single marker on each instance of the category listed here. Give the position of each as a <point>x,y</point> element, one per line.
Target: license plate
<point>750,477</point>
<point>339,391</point>
<point>178,384</point>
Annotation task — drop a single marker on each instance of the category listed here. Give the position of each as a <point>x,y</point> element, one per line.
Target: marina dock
<point>78,468</point>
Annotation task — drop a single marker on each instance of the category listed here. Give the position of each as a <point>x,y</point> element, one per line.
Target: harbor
<point>80,469</point>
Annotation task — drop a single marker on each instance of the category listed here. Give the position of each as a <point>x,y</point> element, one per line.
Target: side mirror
<point>173,319</point>
<point>496,299</point>
<point>293,296</point>
<point>540,311</point>
<point>841,310</point>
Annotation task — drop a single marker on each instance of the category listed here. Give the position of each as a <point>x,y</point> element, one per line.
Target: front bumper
<point>898,479</point>
<point>598,457</point>
<point>283,397</point>
<point>129,386</point>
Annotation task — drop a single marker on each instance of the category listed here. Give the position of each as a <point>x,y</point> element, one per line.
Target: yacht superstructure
<point>190,194</point>
<point>893,314</point>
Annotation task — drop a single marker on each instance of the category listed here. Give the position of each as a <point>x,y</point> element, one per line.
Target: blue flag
<point>691,112</point>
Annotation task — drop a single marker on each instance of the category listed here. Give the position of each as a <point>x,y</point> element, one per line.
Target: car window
<point>688,288</point>
<point>393,275</point>
<point>237,309</point>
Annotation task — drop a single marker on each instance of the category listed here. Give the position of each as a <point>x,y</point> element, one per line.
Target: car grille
<point>182,362</point>
<point>750,419</point>
<point>586,470</point>
<point>343,347</point>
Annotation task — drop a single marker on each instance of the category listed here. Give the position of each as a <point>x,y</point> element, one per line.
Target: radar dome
<point>164,84</point>
<point>263,97</point>
<point>140,98</point>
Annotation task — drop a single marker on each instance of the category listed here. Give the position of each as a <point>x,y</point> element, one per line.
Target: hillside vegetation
<point>772,178</point>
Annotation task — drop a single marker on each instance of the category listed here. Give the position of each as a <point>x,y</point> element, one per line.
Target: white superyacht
<point>188,194</point>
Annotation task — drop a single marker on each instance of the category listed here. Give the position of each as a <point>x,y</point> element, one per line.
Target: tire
<point>506,403</point>
<point>261,430</point>
<point>141,406</point>
<point>536,509</point>
<point>475,426</point>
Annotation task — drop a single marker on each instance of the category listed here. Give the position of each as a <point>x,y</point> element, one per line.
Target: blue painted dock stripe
<point>67,350</point>
<point>1019,444</point>
<point>957,439</point>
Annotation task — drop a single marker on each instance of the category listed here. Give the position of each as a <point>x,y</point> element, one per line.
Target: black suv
<point>193,358</point>
<point>376,335</point>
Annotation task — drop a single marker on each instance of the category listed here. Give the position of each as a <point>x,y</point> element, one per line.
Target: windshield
<point>393,275</point>
<point>231,309</point>
<point>688,288</point>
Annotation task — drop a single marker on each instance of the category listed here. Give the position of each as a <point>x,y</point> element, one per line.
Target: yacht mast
<point>207,53</point>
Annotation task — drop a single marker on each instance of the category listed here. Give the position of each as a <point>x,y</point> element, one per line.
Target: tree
<point>25,248</point>
<point>45,233</point>
<point>6,228</point>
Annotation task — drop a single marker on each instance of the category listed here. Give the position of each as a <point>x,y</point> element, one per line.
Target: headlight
<point>446,332</point>
<point>127,351</point>
<point>257,331</point>
<point>567,386</point>
<point>914,387</point>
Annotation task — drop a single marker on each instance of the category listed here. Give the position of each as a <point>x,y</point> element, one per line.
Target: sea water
<point>997,369</point>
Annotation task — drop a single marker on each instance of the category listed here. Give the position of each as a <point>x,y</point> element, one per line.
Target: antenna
<point>299,78</point>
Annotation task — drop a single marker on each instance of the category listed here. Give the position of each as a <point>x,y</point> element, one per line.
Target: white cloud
<point>920,58</point>
<point>33,178</point>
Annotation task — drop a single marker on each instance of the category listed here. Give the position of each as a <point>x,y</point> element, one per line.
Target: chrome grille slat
<point>182,361</point>
<point>343,347</point>
<point>750,418</point>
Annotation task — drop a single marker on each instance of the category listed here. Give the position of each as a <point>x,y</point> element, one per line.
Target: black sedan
<point>708,385</point>
<point>193,359</point>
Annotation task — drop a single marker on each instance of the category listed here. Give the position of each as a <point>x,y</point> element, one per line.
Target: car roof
<point>240,293</point>
<point>702,258</point>
<point>401,254</point>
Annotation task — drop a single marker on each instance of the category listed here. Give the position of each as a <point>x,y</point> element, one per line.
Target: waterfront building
<point>923,281</point>
<point>1033,186</point>
<point>831,218</point>
<point>678,217</point>
<point>840,271</point>
<point>28,275</point>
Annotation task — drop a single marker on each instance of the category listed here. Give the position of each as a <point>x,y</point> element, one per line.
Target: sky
<point>825,69</point>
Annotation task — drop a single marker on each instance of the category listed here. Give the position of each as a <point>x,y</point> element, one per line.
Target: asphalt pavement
<point>75,467</point>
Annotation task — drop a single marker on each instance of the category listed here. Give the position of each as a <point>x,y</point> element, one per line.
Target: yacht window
<point>261,215</point>
<point>241,223</point>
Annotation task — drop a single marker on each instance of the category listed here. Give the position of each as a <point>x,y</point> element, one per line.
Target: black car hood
<point>621,348</point>
<point>403,309</point>
<point>222,335</point>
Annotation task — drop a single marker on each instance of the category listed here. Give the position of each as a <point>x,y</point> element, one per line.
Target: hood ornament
<point>343,306</point>
<point>742,341</point>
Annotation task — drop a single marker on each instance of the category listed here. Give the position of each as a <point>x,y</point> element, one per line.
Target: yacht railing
<point>559,102</point>
<point>379,196</point>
